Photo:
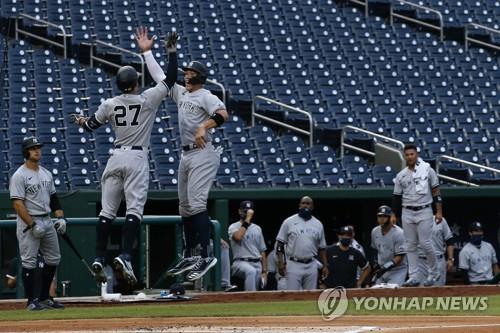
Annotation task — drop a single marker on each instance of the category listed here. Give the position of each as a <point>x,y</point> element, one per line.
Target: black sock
<point>129,232</point>
<point>189,237</point>
<point>29,283</point>
<point>103,230</point>
<point>48,273</point>
<point>201,225</point>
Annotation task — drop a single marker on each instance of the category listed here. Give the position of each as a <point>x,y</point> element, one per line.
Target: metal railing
<point>456,180</point>
<point>143,242</point>
<point>477,41</point>
<point>112,64</point>
<point>362,3</point>
<point>46,40</point>
<point>223,89</point>
<point>369,133</point>
<point>414,20</point>
<point>280,123</point>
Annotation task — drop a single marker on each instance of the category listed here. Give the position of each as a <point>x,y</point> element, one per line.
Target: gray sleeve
<point>398,189</point>
<point>230,231</point>
<point>283,233</point>
<point>154,68</point>
<point>17,189</point>
<point>433,178</point>
<point>102,114</point>
<point>176,91</point>
<point>262,245</point>
<point>372,241</point>
<point>447,234</point>
<point>493,255</point>
<point>399,244</point>
<point>155,95</point>
<point>322,241</point>
<point>463,259</point>
<point>52,185</point>
<point>212,104</point>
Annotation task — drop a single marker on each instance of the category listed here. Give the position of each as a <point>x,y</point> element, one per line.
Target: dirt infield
<point>268,324</point>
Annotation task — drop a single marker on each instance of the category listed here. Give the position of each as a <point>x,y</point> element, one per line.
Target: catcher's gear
<point>200,69</point>
<point>384,211</point>
<point>127,78</point>
<point>29,143</point>
<point>171,41</point>
<point>60,225</point>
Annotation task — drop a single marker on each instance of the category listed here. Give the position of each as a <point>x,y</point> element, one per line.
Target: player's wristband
<point>245,225</point>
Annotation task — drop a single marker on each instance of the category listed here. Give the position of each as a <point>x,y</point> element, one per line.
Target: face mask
<point>305,213</point>
<point>476,239</point>
<point>345,241</point>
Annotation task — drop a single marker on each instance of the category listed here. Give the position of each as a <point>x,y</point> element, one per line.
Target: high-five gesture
<point>171,41</point>
<point>143,41</point>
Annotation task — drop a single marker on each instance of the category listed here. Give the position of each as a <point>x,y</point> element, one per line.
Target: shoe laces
<point>199,263</point>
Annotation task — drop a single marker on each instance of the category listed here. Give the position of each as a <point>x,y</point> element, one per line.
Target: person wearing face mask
<point>389,242</point>
<point>304,237</point>
<point>344,261</point>
<point>477,259</point>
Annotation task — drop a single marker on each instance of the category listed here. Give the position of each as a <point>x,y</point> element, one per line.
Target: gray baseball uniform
<point>415,187</point>
<point>35,188</point>
<point>478,261</point>
<point>272,267</point>
<point>198,167</point>
<point>303,239</point>
<point>127,171</point>
<point>388,246</point>
<point>440,234</point>
<point>247,254</point>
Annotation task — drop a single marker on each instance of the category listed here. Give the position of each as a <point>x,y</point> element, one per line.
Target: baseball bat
<point>72,246</point>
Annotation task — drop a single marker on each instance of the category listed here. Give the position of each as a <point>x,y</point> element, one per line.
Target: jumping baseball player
<point>477,259</point>
<point>304,236</point>
<point>442,242</point>
<point>415,188</point>
<point>389,242</point>
<point>198,111</point>
<point>34,197</point>
<point>131,115</point>
<point>249,249</point>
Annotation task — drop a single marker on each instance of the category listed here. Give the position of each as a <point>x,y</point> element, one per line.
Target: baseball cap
<point>247,204</point>
<point>384,211</point>
<point>475,226</point>
<point>345,230</point>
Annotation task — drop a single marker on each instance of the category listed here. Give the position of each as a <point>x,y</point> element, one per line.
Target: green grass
<point>293,308</point>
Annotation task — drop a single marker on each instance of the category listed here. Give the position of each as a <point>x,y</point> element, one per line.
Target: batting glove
<point>60,225</point>
<point>171,41</point>
<point>37,230</point>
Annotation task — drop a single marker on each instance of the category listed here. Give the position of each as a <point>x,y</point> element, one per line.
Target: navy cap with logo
<point>475,226</point>
<point>247,204</point>
<point>346,230</point>
<point>384,211</point>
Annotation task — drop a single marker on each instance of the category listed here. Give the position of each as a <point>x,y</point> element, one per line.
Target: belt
<point>189,147</point>
<point>129,147</point>
<point>41,215</point>
<point>248,259</point>
<point>302,261</point>
<point>438,256</point>
<point>417,208</point>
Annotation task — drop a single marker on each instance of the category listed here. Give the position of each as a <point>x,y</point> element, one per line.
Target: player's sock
<point>102,234</point>
<point>189,236</point>
<point>201,223</point>
<point>129,233</point>
<point>48,273</point>
<point>29,283</point>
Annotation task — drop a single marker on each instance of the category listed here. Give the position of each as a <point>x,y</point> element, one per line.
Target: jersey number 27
<point>121,113</point>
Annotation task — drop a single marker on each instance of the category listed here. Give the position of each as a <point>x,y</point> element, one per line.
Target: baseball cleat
<point>411,283</point>
<point>184,265</point>
<point>35,305</point>
<point>98,269</point>
<point>125,267</point>
<point>201,268</point>
<point>229,288</point>
<point>431,280</point>
<point>52,304</point>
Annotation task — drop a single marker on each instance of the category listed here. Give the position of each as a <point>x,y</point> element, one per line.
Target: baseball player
<point>304,237</point>
<point>442,241</point>
<point>416,187</point>
<point>477,259</point>
<point>249,249</point>
<point>389,242</point>
<point>199,111</point>
<point>34,197</point>
<point>131,115</point>
<point>344,261</point>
